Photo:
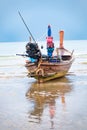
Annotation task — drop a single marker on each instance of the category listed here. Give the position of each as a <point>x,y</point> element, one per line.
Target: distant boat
<point>49,68</point>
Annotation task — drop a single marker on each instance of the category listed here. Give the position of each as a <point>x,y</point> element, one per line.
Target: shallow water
<point>59,104</point>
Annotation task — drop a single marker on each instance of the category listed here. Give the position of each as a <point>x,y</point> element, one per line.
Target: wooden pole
<point>61,33</point>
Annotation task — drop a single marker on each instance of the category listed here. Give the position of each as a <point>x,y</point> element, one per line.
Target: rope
<point>42,72</point>
<point>38,69</point>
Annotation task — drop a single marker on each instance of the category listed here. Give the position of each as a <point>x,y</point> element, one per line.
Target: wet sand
<point>60,104</point>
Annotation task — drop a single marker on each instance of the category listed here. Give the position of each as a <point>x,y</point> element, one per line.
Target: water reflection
<point>52,108</point>
<point>44,97</point>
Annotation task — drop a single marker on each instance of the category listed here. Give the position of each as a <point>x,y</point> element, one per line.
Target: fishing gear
<point>26,26</point>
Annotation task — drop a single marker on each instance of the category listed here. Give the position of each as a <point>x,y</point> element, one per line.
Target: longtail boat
<point>53,67</point>
<point>47,67</point>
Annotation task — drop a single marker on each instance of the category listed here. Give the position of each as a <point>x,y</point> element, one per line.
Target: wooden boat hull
<point>48,71</point>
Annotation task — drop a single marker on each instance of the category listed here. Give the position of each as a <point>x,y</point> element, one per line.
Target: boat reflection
<point>45,95</point>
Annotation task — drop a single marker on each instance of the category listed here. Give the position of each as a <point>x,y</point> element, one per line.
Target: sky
<point>67,15</point>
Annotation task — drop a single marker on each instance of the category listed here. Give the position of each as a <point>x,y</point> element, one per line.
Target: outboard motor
<point>33,50</point>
